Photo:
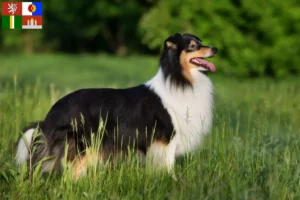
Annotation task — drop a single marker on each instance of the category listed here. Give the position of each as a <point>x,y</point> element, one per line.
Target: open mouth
<point>204,64</point>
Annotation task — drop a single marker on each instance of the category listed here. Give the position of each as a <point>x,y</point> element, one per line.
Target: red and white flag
<point>32,22</point>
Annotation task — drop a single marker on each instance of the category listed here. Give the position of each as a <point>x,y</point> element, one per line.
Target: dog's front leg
<point>161,156</point>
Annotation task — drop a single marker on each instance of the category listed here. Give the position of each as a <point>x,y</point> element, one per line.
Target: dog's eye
<point>193,46</point>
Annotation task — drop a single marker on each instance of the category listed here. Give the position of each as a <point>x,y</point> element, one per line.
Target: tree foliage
<point>254,37</point>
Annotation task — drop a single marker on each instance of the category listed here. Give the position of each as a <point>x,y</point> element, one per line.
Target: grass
<point>252,153</point>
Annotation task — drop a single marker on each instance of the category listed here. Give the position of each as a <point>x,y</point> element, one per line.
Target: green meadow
<point>253,151</point>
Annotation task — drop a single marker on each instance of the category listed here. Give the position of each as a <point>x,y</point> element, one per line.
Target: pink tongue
<point>206,63</point>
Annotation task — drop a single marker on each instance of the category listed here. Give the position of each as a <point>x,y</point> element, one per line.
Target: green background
<point>255,38</point>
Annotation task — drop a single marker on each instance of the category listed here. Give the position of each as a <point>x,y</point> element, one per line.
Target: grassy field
<point>253,151</point>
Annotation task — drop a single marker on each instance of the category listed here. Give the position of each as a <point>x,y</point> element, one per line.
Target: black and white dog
<point>164,118</point>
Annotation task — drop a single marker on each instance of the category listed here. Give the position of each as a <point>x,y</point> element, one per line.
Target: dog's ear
<point>174,41</point>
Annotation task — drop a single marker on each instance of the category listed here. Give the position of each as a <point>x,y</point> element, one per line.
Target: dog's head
<point>182,55</point>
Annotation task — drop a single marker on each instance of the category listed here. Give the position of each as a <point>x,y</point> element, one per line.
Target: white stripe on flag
<point>32,27</point>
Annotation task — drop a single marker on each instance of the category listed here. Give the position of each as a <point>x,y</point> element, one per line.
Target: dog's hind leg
<point>90,158</point>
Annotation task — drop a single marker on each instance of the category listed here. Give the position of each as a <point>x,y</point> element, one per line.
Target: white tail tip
<point>23,147</point>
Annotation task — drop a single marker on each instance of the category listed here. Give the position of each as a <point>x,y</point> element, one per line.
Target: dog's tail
<point>24,143</point>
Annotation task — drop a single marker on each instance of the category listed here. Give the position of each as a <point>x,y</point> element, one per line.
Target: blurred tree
<point>18,41</point>
<point>106,25</point>
<point>254,37</point>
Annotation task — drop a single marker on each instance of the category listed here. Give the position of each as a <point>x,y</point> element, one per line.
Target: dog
<point>163,118</point>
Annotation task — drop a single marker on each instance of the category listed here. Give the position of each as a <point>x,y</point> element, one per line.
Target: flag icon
<point>11,8</point>
<point>12,22</point>
<point>31,8</point>
<point>32,22</point>
<point>22,15</point>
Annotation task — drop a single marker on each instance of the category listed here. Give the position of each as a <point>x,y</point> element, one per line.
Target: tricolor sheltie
<point>163,118</point>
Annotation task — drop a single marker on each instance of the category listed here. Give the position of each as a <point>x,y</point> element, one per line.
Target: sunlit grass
<point>252,153</point>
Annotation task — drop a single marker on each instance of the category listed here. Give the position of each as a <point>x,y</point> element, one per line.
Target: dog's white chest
<point>190,111</point>
<point>191,114</point>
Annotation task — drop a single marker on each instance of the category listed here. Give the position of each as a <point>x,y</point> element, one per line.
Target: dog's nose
<point>214,50</point>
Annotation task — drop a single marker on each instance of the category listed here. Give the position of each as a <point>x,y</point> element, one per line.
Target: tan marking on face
<point>192,42</point>
<point>185,58</point>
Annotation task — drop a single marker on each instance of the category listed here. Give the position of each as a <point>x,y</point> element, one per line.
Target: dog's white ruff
<point>190,111</point>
